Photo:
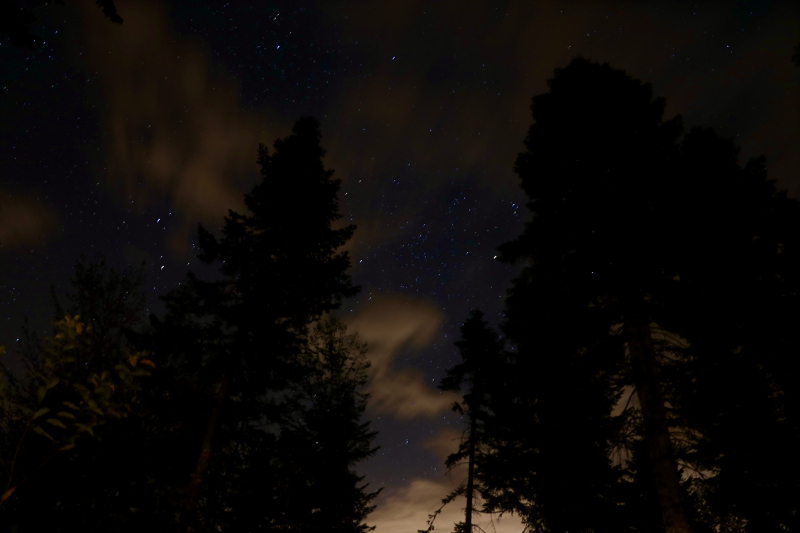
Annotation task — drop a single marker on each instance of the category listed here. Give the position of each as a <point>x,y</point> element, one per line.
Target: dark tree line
<point>240,410</point>
<point>652,380</point>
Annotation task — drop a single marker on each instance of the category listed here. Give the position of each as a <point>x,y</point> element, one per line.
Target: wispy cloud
<point>175,131</point>
<point>391,325</point>
<point>406,509</point>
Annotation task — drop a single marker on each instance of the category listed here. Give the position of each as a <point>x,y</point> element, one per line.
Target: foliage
<point>322,444</point>
<point>483,367</point>
<point>282,268</point>
<point>452,495</point>
<point>59,399</point>
<point>100,484</point>
<point>245,340</point>
<point>643,236</point>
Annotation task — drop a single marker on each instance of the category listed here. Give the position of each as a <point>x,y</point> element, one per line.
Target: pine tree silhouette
<point>281,270</point>
<point>481,370</point>
<point>645,251</point>
<point>482,359</point>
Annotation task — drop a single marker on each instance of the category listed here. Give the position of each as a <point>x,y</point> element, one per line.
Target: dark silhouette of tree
<point>482,357</point>
<point>252,418</point>
<point>317,450</point>
<point>645,254</point>
<point>133,477</point>
<point>548,447</point>
<point>482,370</point>
<point>739,301</point>
<point>84,381</point>
<point>595,152</point>
<point>243,336</point>
<point>15,19</point>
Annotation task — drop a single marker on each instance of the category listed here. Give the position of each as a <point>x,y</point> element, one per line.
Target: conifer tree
<point>645,250</point>
<point>482,368</point>
<point>243,336</point>
<point>481,353</point>
<point>328,437</point>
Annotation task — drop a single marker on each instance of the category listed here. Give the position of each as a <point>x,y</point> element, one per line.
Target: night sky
<point>116,141</point>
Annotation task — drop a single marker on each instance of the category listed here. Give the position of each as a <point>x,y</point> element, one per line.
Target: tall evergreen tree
<point>243,335</point>
<point>482,363</point>
<point>634,253</point>
<point>318,449</point>
<point>736,383</point>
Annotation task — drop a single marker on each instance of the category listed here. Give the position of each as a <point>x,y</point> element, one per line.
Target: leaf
<point>133,358</point>
<point>40,393</point>
<point>65,414</point>
<point>56,422</point>
<point>71,405</point>
<point>67,447</point>
<point>43,433</point>
<point>85,428</point>
<point>52,382</point>
<point>8,493</point>
<point>92,406</point>
<point>148,362</point>
<point>40,412</point>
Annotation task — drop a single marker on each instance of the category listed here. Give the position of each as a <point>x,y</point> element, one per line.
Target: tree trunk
<point>196,481</point>
<point>656,429</point>
<point>470,474</point>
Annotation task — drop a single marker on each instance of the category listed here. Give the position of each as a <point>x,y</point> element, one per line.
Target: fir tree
<point>328,437</point>
<point>243,337</point>
<point>482,355</point>
<point>483,367</point>
<point>645,250</point>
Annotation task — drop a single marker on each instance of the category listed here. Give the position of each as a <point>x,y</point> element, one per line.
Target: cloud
<point>24,220</point>
<point>406,510</point>
<point>174,130</point>
<point>390,325</point>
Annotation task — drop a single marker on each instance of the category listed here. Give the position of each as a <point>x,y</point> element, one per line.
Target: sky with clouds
<point>118,140</point>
